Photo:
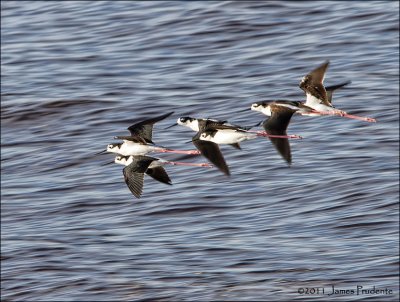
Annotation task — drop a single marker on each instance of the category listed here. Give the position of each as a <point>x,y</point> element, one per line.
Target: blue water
<point>75,74</point>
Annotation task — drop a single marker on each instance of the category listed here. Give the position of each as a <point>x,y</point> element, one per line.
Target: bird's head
<point>114,148</point>
<point>263,107</point>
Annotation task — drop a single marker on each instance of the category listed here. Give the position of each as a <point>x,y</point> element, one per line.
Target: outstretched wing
<point>312,85</point>
<point>134,181</point>
<point>143,131</point>
<point>277,125</point>
<point>158,173</point>
<point>212,152</point>
<point>279,120</point>
<point>134,174</point>
<point>331,89</point>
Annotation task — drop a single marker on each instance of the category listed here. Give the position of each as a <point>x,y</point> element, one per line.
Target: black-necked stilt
<point>300,107</point>
<point>222,125</point>
<point>317,96</point>
<point>140,141</point>
<point>130,146</point>
<point>196,123</point>
<point>138,165</point>
<point>280,115</point>
<point>212,133</point>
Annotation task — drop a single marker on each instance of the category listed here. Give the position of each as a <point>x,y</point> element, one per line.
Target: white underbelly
<point>317,104</point>
<point>308,113</point>
<point>322,107</point>
<point>231,137</point>
<point>266,111</point>
<point>131,148</point>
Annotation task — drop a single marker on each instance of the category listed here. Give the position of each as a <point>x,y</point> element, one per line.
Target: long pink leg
<point>265,134</point>
<point>361,118</point>
<point>344,114</point>
<point>191,152</point>
<point>177,163</point>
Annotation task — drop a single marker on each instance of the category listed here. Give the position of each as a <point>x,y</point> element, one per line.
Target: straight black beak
<point>258,124</point>
<point>101,152</point>
<point>109,163</point>
<point>171,126</point>
<point>245,110</point>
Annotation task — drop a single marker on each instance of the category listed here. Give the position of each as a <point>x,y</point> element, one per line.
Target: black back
<point>210,124</point>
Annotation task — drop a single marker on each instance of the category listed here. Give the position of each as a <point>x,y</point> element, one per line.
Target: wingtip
<point>224,169</point>
<point>322,67</point>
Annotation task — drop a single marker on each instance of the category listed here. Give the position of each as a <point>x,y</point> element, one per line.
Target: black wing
<point>158,173</point>
<point>312,83</point>
<point>277,125</point>
<point>134,174</point>
<point>209,124</point>
<point>332,88</point>
<point>279,121</point>
<point>282,145</point>
<point>212,152</point>
<point>134,181</point>
<point>143,131</point>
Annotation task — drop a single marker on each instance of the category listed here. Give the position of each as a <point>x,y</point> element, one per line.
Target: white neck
<point>194,125</point>
<point>266,111</point>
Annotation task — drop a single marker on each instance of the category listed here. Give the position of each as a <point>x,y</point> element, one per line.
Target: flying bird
<point>211,133</point>
<point>138,165</point>
<point>277,124</point>
<point>318,97</point>
<point>140,142</point>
